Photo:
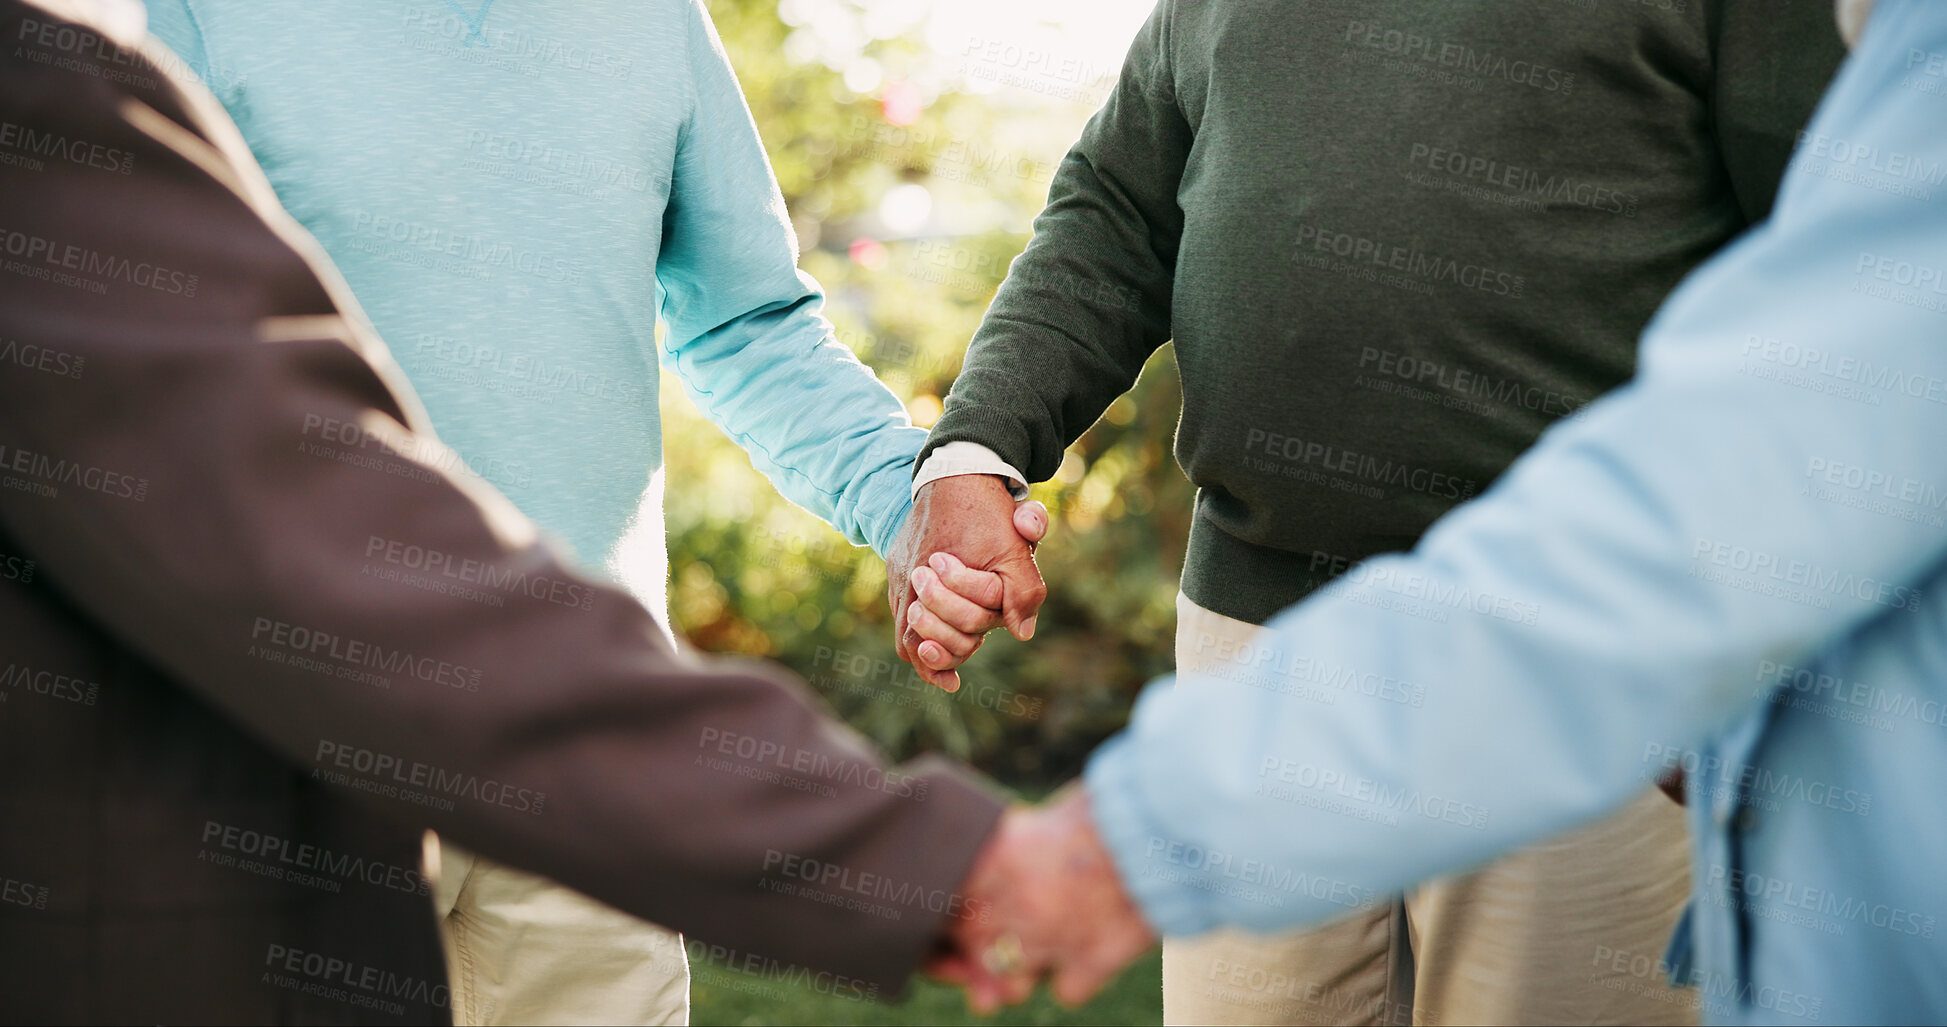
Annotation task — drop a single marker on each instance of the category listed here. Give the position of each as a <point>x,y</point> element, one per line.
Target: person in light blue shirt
<point>517,192</point>
<point>1732,567</point>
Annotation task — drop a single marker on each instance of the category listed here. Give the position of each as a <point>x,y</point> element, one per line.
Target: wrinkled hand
<point>962,566</point>
<point>1043,898</point>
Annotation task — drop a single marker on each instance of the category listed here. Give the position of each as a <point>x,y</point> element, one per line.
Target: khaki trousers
<point>1529,939</point>
<point>521,949</point>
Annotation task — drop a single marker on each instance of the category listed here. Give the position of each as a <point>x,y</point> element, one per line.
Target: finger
<point>1076,983</point>
<point>936,665</point>
<point>1097,964</point>
<point>984,992</point>
<point>982,588</point>
<point>933,663</point>
<point>947,969</point>
<point>985,996</point>
<point>976,984</point>
<point>952,606</point>
<point>1031,520</point>
<point>899,595</point>
<point>954,966</point>
<point>1025,592</point>
<point>946,679</point>
<point>931,627</point>
<point>987,993</point>
<point>1018,988</point>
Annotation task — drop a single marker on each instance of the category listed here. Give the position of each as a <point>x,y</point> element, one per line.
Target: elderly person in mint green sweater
<point>516,193</point>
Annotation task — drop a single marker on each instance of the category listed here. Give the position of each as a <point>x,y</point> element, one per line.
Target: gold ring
<point>1004,957</point>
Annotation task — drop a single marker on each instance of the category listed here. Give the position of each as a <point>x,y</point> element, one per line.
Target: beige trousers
<point>1529,939</point>
<point>521,949</point>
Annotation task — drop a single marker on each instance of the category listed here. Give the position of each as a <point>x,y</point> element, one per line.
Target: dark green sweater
<point>1393,241</point>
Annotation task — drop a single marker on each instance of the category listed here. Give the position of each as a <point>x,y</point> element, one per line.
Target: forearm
<point>745,335</point>
<point>818,423</point>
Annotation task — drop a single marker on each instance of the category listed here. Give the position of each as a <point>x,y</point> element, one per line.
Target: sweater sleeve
<point>746,337</point>
<point>1088,301</point>
<point>1774,59</point>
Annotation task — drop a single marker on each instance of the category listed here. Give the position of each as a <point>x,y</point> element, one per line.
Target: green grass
<point>719,996</point>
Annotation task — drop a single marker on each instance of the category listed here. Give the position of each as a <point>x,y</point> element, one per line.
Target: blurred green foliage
<point>753,574</point>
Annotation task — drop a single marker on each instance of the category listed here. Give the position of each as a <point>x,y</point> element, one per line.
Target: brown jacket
<point>258,631</point>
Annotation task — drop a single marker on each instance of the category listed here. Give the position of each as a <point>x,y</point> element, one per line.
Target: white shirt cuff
<point>957,458</point>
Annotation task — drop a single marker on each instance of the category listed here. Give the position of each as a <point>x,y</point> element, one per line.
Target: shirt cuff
<point>895,503</point>
<point>957,458</point>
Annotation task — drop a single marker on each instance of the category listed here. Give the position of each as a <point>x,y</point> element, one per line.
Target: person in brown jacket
<point>227,718</point>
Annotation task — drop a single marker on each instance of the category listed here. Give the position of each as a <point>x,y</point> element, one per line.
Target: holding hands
<point>962,566</point>
<point>1044,899</point>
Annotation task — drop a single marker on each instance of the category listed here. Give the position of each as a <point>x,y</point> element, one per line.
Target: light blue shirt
<point>515,190</point>
<point>1733,565</point>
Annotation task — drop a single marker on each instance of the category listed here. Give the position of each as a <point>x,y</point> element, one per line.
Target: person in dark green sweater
<point>1393,242</point>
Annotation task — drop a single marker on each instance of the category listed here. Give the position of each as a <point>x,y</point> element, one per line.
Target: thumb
<point>1022,594</point>
<point>1031,520</point>
<point>1083,976</point>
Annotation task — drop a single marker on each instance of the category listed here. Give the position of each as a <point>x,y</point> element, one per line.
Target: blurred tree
<point>910,199</point>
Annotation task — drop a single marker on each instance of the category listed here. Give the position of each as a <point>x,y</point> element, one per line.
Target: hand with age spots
<point>962,565</point>
<point>1043,899</point>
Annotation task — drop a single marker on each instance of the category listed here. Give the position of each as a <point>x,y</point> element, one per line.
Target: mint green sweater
<point>515,191</point>
<point>1393,242</point>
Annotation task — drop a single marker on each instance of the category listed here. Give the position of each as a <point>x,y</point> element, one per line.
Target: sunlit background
<point>914,142</point>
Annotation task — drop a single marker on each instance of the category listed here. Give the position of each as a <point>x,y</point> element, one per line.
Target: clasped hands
<point>1043,896</point>
<point>962,566</point>
<point>1043,899</point>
